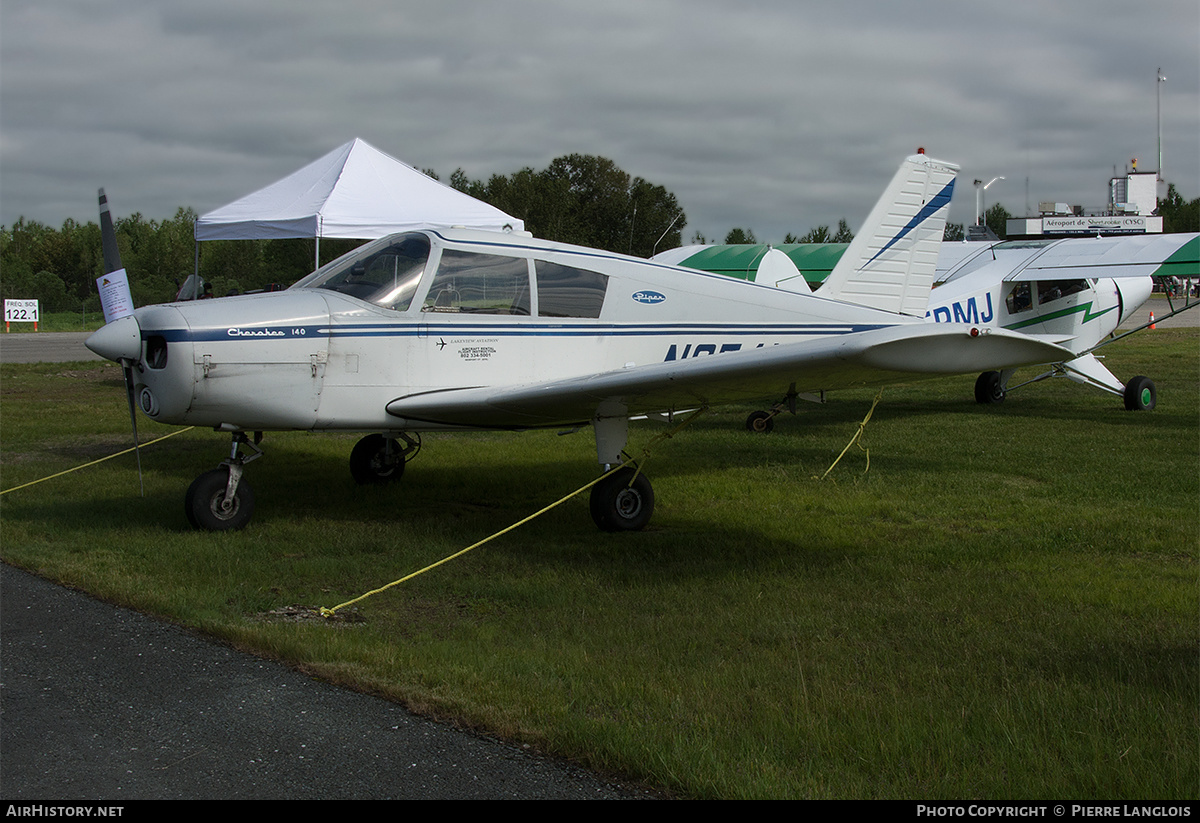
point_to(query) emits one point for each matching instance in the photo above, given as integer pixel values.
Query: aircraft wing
(884, 355)
(1112, 257)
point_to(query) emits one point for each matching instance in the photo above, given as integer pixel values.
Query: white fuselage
(316, 358)
(1077, 313)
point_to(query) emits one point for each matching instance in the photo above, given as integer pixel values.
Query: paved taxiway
(101, 703)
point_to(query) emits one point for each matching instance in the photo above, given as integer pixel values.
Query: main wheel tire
(760, 422)
(619, 506)
(989, 388)
(1140, 394)
(205, 500)
(370, 463)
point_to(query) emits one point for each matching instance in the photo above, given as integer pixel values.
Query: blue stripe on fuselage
(255, 335)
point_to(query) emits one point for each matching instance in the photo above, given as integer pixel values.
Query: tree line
(581, 199)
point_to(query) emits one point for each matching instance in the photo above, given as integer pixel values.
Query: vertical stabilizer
(891, 262)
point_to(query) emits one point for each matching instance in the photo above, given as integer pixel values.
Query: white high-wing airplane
(1073, 292)
(454, 330)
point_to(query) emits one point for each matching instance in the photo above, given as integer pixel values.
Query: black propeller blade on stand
(112, 263)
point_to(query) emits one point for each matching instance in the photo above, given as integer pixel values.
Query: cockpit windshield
(385, 272)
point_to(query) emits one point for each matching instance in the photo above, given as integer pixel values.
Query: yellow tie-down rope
(857, 436)
(637, 463)
(94, 462)
(329, 612)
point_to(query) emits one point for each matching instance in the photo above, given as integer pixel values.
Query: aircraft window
(385, 272)
(1019, 299)
(1055, 289)
(480, 284)
(564, 291)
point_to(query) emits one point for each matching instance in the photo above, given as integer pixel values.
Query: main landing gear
(1139, 393)
(990, 388)
(379, 458)
(622, 500)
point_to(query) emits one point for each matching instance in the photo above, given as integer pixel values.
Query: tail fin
(891, 262)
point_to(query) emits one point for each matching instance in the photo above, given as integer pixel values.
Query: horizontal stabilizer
(891, 262)
(777, 269)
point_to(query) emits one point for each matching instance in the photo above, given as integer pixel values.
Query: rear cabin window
(564, 291)
(1050, 290)
(467, 282)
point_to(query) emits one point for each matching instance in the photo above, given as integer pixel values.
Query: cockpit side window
(1019, 299)
(473, 283)
(565, 291)
(386, 272)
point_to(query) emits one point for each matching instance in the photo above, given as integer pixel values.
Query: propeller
(112, 263)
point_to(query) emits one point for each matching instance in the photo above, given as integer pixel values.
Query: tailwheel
(377, 459)
(622, 502)
(219, 500)
(989, 388)
(760, 422)
(1140, 394)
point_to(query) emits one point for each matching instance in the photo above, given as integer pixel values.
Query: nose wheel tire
(619, 506)
(210, 507)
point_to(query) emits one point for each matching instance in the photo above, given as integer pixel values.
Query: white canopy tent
(355, 191)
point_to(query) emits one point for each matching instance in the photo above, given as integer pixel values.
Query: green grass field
(1005, 605)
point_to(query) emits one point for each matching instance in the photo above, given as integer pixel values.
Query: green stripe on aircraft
(1086, 308)
(1183, 263)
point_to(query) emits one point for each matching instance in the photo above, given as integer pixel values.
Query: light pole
(1162, 78)
(980, 188)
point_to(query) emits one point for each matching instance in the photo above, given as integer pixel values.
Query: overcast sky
(774, 116)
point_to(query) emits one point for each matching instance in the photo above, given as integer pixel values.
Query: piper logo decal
(650, 297)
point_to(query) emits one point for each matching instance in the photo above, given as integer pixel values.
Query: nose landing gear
(220, 500)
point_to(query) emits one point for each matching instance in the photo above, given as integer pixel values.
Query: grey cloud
(772, 115)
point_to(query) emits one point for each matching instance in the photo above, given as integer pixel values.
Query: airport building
(1132, 203)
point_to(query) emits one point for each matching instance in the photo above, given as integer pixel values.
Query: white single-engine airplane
(457, 330)
(1073, 292)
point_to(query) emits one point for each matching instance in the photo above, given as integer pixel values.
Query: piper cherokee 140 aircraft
(1073, 292)
(459, 330)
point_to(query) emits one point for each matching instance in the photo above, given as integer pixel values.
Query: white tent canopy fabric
(355, 191)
